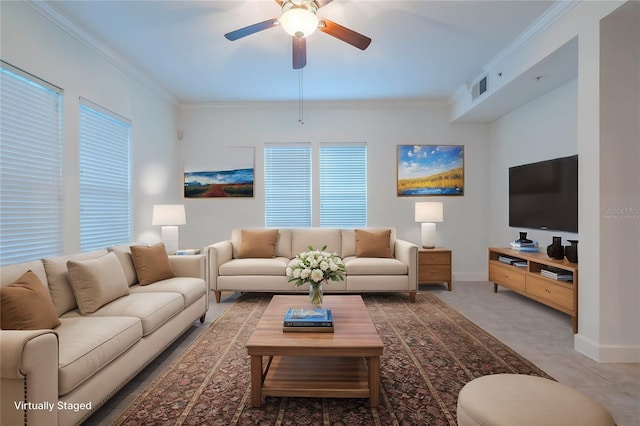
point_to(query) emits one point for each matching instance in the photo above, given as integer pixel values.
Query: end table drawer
(433, 273)
(507, 276)
(436, 258)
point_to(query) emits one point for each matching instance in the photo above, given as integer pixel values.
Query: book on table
(305, 318)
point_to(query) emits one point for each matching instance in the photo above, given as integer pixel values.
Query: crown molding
(382, 104)
(102, 50)
(539, 26)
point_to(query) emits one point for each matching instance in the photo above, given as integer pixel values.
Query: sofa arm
(191, 265)
(29, 374)
(407, 253)
(217, 254)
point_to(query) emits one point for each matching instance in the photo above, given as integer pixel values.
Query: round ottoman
(518, 400)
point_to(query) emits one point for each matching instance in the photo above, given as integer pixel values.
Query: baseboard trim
(606, 353)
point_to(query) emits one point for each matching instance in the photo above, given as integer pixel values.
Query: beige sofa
(228, 272)
(60, 376)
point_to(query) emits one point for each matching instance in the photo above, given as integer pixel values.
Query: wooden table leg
(374, 380)
(256, 380)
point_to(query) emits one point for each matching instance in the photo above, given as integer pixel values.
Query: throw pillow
(152, 263)
(258, 243)
(96, 282)
(373, 244)
(26, 305)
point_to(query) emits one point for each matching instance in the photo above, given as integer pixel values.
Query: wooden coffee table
(342, 364)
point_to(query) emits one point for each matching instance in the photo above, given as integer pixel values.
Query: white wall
(543, 129)
(208, 129)
(33, 43)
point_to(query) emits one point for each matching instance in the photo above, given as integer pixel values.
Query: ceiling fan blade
(322, 3)
(252, 29)
(299, 53)
(345, 34)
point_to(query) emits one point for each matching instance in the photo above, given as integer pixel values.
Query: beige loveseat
(229, 271)
(59, 376)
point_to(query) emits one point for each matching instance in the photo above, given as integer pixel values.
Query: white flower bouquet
(315, 266)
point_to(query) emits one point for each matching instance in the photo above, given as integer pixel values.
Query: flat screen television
(544, 195)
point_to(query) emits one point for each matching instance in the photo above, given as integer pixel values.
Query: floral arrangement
(314, 266)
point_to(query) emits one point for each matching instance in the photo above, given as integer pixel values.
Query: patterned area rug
(431, 351)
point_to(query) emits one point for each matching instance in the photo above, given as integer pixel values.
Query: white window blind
(30, 167)
(343, 185)
(105, 201)
(287, 185)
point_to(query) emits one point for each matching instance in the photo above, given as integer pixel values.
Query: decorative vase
(572, 251)
(523, 238)
(556, 250)
(315, 293)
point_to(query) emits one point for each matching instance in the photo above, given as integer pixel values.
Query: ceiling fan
(299, 19)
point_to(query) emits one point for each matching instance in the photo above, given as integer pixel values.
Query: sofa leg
(412, 296)
(202, 318)
(218, 294)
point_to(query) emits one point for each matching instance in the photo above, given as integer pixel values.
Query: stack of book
(556, 273)
(520, 246)
(307, 320)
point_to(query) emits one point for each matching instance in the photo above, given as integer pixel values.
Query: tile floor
(542, 335)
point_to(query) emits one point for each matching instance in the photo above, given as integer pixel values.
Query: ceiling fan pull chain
(300, 98)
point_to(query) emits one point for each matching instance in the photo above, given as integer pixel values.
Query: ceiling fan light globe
(299, 22)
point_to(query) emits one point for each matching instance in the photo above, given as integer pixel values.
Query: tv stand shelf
(528, 280)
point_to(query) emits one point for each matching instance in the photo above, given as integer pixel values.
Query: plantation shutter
(343, 185)
(287, 185)
(30, 167)
(105, 201)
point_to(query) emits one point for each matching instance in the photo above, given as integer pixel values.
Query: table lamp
(428, 213)
(169, 216)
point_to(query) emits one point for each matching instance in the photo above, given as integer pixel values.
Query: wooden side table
(434, 266)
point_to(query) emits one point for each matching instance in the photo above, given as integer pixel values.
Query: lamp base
(170, 239)
(428, 235)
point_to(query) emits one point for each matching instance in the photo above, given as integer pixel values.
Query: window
(341, 181)
(287, 186)
(105, 203)
(343, 185)
(30, 167)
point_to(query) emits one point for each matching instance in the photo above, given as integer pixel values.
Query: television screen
(544, 195)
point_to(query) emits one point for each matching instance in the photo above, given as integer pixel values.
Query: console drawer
(507, 276)
(550, 291)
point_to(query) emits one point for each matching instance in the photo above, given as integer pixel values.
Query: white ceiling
(421, 50)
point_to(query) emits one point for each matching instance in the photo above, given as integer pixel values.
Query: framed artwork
(429, 170)
(231, 175)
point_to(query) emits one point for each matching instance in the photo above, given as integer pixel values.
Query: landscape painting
(232, 176)
(430, 170)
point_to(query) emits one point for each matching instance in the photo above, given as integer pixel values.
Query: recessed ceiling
(421, 50)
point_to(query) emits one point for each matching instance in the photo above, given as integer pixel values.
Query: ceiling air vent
(479, 88)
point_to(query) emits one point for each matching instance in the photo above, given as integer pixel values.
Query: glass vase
(315, 293)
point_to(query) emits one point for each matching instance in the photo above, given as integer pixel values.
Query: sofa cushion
(275, 266)
(374, 266)
(57, 276)
(126, 260)
(283, 243)
(373, 244)
(10, 273)
(258, 243)
(87, 344)
(152, 263)
(190, 288)
(96, 282)
(152, 308)
(26, 305)
(349, 240)
(302, 238)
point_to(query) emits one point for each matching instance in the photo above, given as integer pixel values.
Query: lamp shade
(429, 211)
(168, 214)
